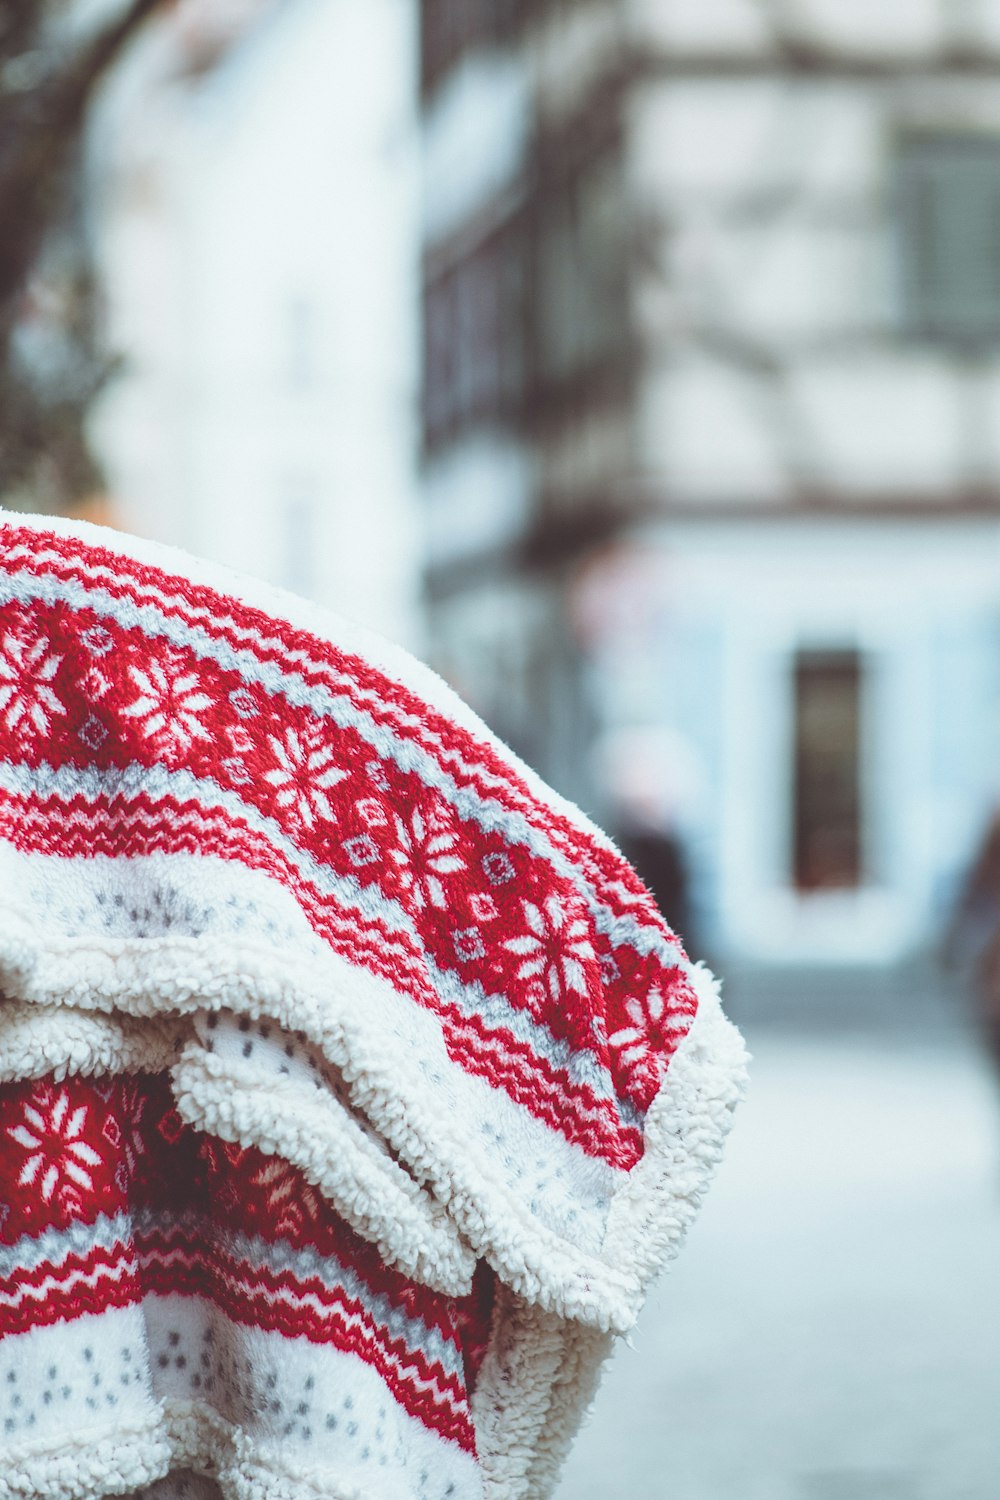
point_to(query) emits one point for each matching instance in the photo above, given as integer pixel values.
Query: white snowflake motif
(169, 705)
(236, 770)
(554, 950)
(292, 1204)
(244, 703)
(28, 666)
(468, 944)
(242, 742)
(653, 1032)
(58, 1160)
(424, 853)
(93, 733)
(306, 771)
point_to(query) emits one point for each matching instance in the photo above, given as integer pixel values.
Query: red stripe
(242, 1277)
(568, 1020)
(163, 1264)
(496, 1055)
(116, 1275)
(392, 702)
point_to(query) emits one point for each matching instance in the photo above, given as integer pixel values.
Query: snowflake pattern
(486, 906)
(468, 943)
(170, 705)
(426, 849)
(28, 667)
(654, 1030)
(305, 771)
(244, 702)
(240, 739)
(93, 733)
(554, 951)
(59, 1164)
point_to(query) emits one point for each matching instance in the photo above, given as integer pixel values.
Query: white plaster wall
(716, 25)
(919, 600)
(899, 27)
(707, 434)
(807, 288)
(285, 179)
(474, 134)
(889, 422)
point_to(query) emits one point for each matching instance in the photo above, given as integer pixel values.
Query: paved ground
(832, 1328)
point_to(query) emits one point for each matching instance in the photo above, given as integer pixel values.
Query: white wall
(897, 27)
(703, 644)
(806, 289)
(260, 244)
(474, 134)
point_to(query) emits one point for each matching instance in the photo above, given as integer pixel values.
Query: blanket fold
(331, 1038)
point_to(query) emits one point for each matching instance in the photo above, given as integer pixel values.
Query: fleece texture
(352, 1088)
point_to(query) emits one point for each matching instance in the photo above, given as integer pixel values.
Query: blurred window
(948, 196)
(582, 291)
(827, 825)
(474, 321)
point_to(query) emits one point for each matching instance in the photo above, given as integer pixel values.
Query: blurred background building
(664, 417)
(638, 361)
(252, 204)
(711, 430)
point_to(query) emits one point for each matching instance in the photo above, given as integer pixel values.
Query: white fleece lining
(348, 1013)
(120, 1458)
(536, 1383)
(541, 1372)
(41, 1040)
(685, 1131)
(542, 1367)
(375, 1195)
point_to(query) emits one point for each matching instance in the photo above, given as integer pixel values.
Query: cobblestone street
(831, 1330)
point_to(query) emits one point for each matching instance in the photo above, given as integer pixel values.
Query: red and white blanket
(352, 1089)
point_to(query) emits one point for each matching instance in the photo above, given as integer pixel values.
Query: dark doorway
(827, 825)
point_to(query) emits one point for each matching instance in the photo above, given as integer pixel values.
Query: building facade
(711, 432)
(253, 193)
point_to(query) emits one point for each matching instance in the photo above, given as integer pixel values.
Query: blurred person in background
(647, 776)
(972, 938)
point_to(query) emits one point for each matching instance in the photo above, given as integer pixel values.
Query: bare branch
(41, 133)
(46, 85)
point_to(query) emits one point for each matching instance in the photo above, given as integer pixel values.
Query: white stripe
(54, 1246)
(25, 1294)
